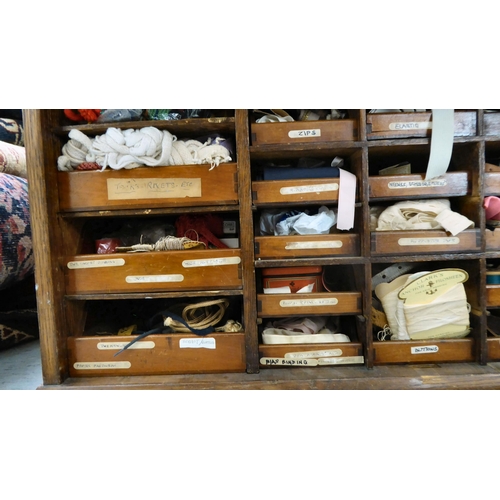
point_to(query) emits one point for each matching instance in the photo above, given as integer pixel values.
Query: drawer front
(300, 304)
(492, 183)
(425, 351)
(415, 186)
(157, 355)
(424, 242)
(148, 187)
(303, 131)
(492, 240)
(493, 347)
(304, 355)
(284, 247)
(492, 123)
(492, 295)
(295, 191)
(405, 125)
(154, 271)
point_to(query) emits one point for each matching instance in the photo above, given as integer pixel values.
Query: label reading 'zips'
(300, 134)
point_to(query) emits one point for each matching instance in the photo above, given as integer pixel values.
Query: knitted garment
(132, 148)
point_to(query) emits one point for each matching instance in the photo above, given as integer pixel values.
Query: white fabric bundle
(422, 214)
(447, 316)
(131, 148)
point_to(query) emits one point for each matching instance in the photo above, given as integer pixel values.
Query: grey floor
(20, 367)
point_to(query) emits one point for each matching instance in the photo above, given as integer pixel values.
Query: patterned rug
(12, 131)
(18, 315)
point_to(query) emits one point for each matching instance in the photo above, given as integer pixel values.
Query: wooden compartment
(148, 187)
(295, 191)
(300, 304)
(154, 271)
(415, 186)
(157, 354)
(314, 245)
(303, 132)
(493, 349)
(492, 240)
(492, 295)
(301, 355)
(492, 183)
(423, 351)
(407, 125)
(424, 242)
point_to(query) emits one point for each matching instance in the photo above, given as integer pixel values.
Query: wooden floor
(443, 376)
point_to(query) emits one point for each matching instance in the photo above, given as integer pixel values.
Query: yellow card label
(428, 287)
(153, 188)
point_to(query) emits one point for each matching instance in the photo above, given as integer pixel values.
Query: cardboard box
(294, 277)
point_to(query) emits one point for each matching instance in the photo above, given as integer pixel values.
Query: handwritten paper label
(309, 302)
(102, 365)
(300, 134)
(428, 287)
(223, 261)
(104, 346)
(137, 189)
(425, 349)
(347, 360)
(201, 343)
(288, 362)
(314, 354)
(155, 278)
(88, 264)
(314, 188)
(452, 240)
(305, 245)
(416, 184)
(410, 125)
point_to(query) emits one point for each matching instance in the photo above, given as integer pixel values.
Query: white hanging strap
(443, 129)
(347, 200)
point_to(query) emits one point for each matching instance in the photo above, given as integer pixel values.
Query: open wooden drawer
(174, 270)
(148, 187)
